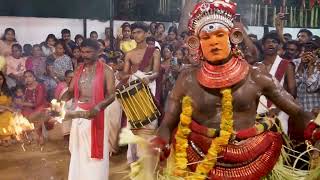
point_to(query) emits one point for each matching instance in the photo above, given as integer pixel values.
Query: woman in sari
(35, 102)
(6, 116)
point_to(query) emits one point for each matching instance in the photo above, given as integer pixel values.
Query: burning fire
(58, 110)
(21, 125)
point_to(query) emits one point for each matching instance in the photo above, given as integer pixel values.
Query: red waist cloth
(98, 95)
(252, 158)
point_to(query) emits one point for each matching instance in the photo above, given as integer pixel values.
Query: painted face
(214, 42)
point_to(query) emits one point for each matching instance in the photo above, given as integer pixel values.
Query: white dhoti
(66, 125)
(82, 166)
(133, 150)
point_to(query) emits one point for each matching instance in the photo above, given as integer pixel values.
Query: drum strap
(146, 58)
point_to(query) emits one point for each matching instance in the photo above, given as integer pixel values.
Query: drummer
(143, 63)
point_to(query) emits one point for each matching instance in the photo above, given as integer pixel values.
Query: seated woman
(6, 116)
(35, 101)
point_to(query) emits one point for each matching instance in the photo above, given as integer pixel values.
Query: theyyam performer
(211, 122)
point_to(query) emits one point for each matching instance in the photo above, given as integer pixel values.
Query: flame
(60, 108)
(20, 125)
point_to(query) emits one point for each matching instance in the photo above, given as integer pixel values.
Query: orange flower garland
(183, 132)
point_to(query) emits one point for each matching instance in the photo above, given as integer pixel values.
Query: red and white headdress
(211, 12)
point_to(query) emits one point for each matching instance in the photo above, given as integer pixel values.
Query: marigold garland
(183, 132)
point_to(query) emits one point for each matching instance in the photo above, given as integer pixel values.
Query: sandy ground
(50, 162)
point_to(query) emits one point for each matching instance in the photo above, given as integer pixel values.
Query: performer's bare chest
(207, 107)
(85, 85)
(136, 59)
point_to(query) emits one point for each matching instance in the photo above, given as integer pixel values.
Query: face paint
(214, 41)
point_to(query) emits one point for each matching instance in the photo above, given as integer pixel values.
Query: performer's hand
(94, 112)
(145, 80)
(159, 146)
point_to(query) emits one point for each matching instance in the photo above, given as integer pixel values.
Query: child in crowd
(18, 97)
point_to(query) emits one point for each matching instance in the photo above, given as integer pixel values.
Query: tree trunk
(184, 18)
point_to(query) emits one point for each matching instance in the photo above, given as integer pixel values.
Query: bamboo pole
(255, 15)
(266, 14)
(291, 16)
(251, 14)
(274, 16)
(312, 18)
(286, 21)
(306, 19)
(259, 15)
(316, 17)
(301, 17)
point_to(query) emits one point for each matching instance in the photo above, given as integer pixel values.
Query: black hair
(151, 39)
(139, 25)
(60, 42)
(271, 35)
(93, 32)
(4, 88)
(160, 24)
(79, 36)
(91, 43)
(6, 32)
(76, 47)
(27, 49)
(36, 46)
(253, 36)
(168, 46)
(17, 87)
(65, 31)
(31, 72)
(18, 46)
(294, 42)
(307, 31)
(68, 72)
(173, 29)
(287, 34)
(125, 24)
(51, 36)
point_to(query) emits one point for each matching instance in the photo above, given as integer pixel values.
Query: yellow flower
(183, 132)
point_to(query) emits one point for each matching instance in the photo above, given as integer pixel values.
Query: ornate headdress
(210, 12)
(209, 15)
